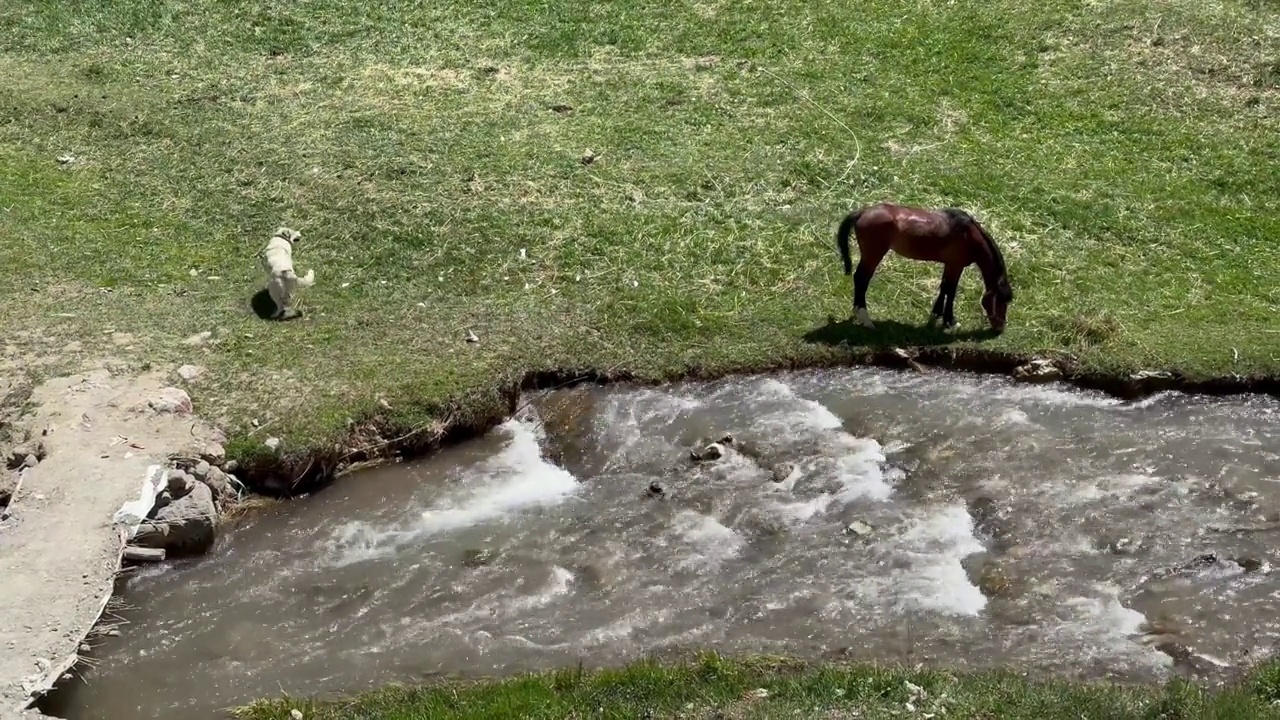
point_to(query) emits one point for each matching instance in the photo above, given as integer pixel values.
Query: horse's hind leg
(867, 264)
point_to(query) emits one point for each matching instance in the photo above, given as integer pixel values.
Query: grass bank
(620, 185)
(716, 687)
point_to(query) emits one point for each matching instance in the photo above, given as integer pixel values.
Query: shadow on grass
(890, 332)
(263, 306)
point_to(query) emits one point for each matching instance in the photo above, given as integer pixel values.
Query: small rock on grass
(191, 373)
(272, 443)
(199, 338)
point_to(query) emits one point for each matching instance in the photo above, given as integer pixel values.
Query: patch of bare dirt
(97, 434)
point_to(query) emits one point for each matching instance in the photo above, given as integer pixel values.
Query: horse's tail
(842, 239)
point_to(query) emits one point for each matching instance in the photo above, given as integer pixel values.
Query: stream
(858, 514)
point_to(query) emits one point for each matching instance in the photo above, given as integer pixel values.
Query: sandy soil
(60, 548)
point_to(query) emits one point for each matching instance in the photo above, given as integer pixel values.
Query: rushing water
(900, 517)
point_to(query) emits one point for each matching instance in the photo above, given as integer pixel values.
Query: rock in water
(1038, 371)
(859, 528)
(189, 522)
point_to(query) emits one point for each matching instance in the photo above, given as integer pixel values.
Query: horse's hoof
(863, 318)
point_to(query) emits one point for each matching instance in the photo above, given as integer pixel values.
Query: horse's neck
(987, 265)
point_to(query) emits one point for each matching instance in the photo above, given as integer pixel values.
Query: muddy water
(992, 524)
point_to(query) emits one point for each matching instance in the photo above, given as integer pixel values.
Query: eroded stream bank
(857, 513)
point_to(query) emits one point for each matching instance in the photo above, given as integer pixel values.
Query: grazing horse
(948, 236)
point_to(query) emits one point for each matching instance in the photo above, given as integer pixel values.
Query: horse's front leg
(949, 288)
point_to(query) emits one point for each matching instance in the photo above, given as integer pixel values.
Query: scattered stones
(994, 582)
(178, 484)
(231, 466)
(1249, 564)
(479, 557)
(587, 158)
(726, 439)
(1148, 381)
(201, 470)
(188, 522)
(191, 373)
(655, 490)
(220, 483)
(272, 443)
(26, 455)
(1038, 371)
(8, 486)
(213, 453)
(170, 401)
(714, 451)
(858, 528)
(782, 472)
(199, 338)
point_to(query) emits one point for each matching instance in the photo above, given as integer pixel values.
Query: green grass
(728, 689)
(1124, 155)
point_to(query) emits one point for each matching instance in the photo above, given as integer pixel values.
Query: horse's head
(996, 304)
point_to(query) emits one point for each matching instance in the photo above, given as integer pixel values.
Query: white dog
(282, 281)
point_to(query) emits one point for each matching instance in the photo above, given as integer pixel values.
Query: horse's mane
(996, 255)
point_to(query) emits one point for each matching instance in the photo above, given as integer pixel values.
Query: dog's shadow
(265, 308)
(890, 333)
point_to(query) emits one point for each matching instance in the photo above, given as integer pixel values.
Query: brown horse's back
(915, 233)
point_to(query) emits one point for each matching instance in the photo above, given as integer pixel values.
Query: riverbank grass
(738, 689)
(619, 185)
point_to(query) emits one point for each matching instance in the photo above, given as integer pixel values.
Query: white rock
(199, 338)
(191, 373)
(171, 401)
(272, 443)
(295, 714)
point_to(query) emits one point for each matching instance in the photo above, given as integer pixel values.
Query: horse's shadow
(890, 333)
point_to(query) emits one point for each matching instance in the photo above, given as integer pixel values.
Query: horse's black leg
(939, 305)
(949, 288)
(861, 280)
(947, 295)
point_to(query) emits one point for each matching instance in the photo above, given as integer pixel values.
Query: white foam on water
(516, 479)
(713, 542)
(802, 510)
(936, 545)
(859, 470)
(1114, 487)
(809, 413)
(1102, 626)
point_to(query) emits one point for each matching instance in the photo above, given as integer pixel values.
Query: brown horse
(948, 236)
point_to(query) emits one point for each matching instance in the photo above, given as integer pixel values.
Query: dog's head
(289, 235)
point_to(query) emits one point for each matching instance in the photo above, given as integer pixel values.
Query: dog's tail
(842, 239)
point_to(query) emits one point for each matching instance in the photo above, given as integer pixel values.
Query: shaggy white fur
(282, 281)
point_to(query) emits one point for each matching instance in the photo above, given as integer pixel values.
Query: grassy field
(726, 689)
(433, 154)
